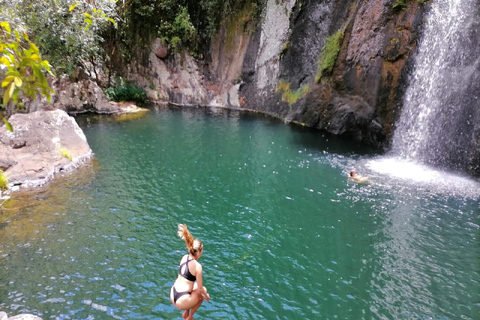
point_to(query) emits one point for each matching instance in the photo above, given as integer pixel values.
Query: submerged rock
(42, 144)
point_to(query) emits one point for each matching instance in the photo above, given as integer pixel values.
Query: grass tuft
(65, 153)
(3, 181)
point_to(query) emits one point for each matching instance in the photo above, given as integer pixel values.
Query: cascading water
(440, 120)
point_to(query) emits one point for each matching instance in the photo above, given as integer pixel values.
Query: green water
(286, 235)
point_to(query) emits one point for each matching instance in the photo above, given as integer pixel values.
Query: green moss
(328, 56)
(291, 96)
(65, 153)
(399, 5)
(3, 181)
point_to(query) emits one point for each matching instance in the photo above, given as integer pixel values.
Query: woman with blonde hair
(188, 292)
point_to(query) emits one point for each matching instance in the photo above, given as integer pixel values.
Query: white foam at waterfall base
(400, 170)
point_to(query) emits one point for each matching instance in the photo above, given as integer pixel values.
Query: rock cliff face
(362, 95)
(271, 65)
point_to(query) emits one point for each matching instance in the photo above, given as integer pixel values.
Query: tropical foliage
(25, 69)
(126, 92)
(67, 32)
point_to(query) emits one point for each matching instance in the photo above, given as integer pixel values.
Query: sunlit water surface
(286, 234)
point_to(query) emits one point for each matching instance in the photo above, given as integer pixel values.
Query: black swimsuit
(187, 275)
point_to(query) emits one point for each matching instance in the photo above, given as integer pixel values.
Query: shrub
(329, 54)
(126, 92)
(3, 181)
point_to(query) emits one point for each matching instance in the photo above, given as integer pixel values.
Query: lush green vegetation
(329, 54)
(73, 33)
(68, 33)
(126, 92)
(96, 35)
(180, 23)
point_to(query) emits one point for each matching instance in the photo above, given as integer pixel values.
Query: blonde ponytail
(194, 246)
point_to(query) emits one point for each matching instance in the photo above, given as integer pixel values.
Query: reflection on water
(29, 212)
(286, 234)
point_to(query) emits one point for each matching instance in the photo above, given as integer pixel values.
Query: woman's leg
(196, 294)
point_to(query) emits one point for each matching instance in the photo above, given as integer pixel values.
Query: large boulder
(159, 48)
(42, 144)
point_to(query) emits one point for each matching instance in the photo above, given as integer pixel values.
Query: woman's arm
(200, 286)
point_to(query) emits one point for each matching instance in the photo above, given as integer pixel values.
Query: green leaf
(7, 81)
(111, 20)
(13, 72)
(26, 36)
(11, 89)
(88, 22)
(17, 35)
(40, 76)
(34, 48)
(87, 15)
(7, 95)
(35, 57)
(5, 25)
(45, 64)
(73, 6)
(15, 96)
(5, 61)
(18, 82)
(8, 124)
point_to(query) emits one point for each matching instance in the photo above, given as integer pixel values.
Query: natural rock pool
(286, 235)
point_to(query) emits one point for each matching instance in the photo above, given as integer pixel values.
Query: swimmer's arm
(200, 286)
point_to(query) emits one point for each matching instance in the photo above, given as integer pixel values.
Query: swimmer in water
(357, 178)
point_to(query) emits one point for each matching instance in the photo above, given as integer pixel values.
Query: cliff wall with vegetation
(342, 66)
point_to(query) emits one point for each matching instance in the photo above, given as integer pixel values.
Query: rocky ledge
(42, 144)
(24, 316)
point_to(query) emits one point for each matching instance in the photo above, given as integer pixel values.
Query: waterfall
(440, 120)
